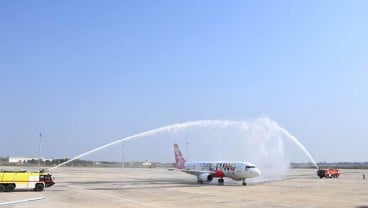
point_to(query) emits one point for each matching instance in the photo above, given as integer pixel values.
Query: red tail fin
(179, 159)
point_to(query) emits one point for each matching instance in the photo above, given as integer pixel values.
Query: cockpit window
(249, 166)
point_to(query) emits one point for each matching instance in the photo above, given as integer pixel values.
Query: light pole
(39, 152)
(122, 163)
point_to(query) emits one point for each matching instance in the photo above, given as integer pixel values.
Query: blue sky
(87, 72)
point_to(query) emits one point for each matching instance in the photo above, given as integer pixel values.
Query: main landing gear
(244, 184)
(221, 181)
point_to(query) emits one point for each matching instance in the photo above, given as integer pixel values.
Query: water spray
(169, 128)
(300, 145)
(183, 126)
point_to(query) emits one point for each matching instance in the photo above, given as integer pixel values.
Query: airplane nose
(257, 172)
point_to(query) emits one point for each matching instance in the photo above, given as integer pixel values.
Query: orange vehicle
(328, 173)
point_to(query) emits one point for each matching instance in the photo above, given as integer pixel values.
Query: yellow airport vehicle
(37, 181)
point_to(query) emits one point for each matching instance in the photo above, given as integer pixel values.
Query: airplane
(207, 170)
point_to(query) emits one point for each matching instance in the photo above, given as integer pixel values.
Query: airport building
(20, 159)
(147, 163)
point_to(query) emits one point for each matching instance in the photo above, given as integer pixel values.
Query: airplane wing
(4, 204)
(197, 172)
(193, 172)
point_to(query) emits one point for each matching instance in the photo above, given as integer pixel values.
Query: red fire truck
(328, 173)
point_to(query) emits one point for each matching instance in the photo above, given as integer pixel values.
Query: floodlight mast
(39, 152)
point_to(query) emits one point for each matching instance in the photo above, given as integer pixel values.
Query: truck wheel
(2, 188)
(39, 187)
(10, 188)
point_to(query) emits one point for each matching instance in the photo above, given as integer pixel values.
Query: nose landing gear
(244, 184)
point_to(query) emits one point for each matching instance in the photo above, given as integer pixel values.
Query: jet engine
(205, 177)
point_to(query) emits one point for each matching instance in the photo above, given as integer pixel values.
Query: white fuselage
(236, 170)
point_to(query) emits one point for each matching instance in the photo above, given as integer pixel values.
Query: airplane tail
(179, 159)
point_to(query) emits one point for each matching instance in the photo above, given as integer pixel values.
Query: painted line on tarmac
(116, 197)
(11, 203)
